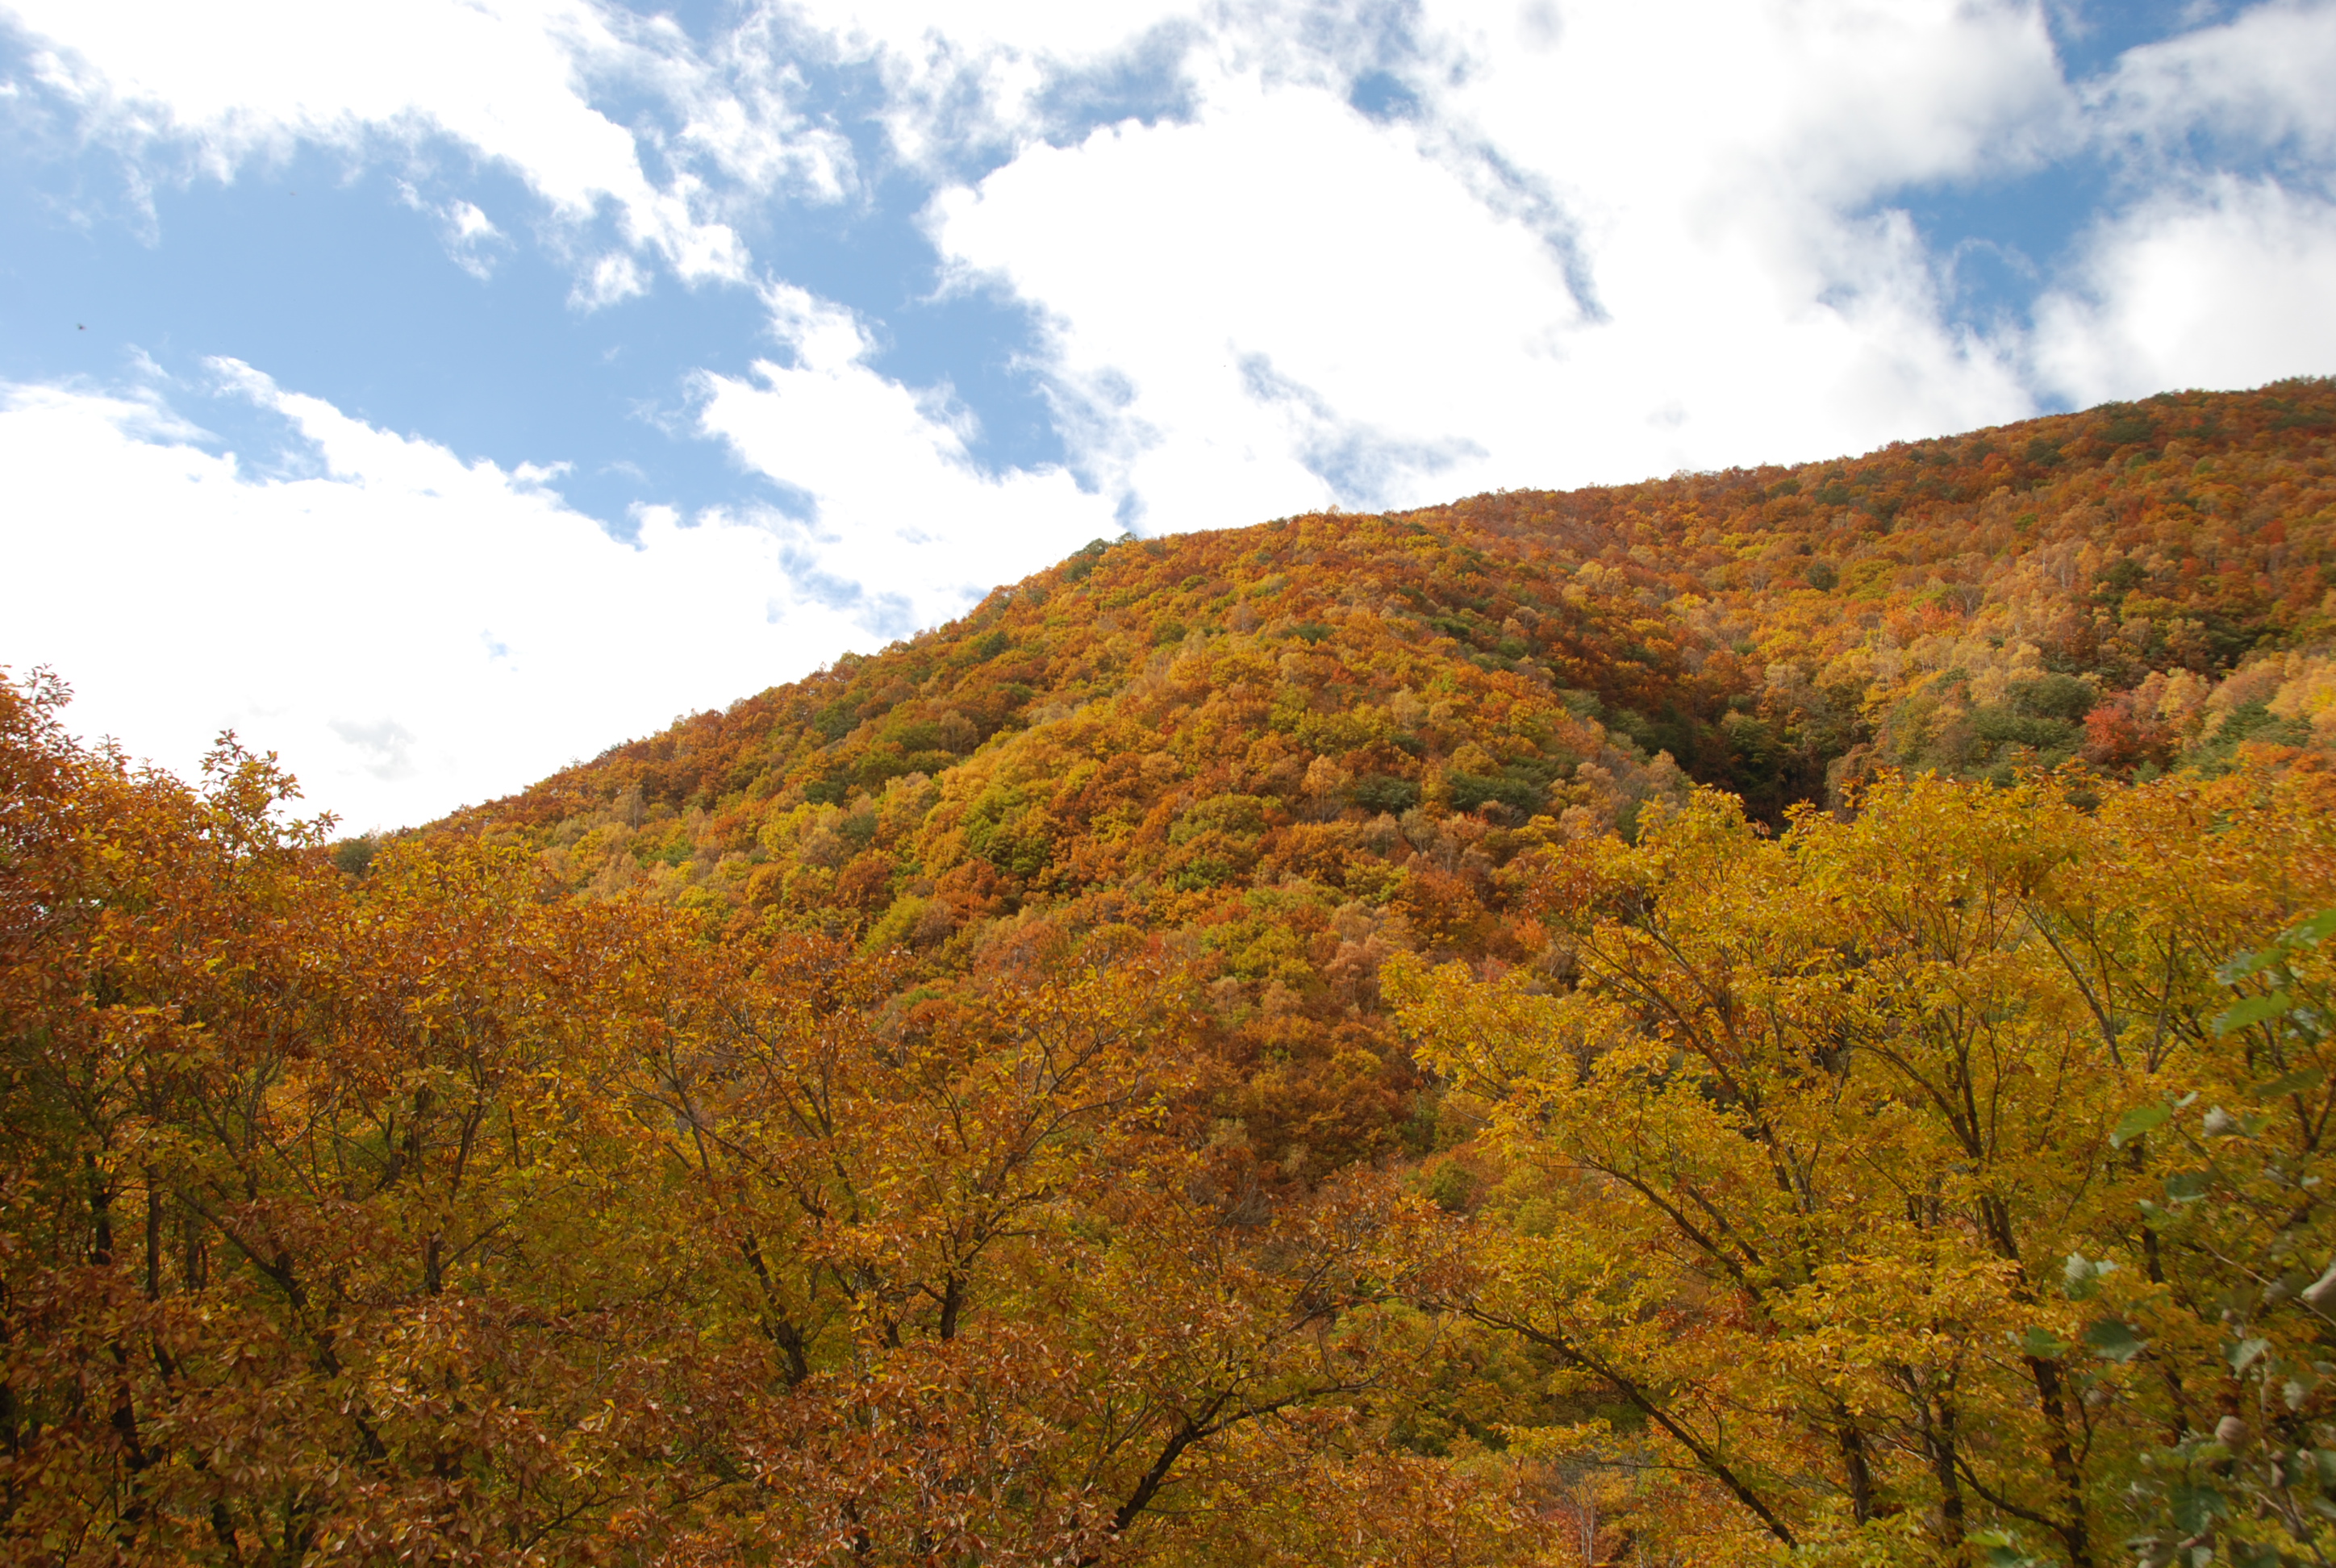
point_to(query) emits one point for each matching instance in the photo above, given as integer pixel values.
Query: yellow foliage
(1914, 1182)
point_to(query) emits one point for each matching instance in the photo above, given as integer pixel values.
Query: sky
(435, 392)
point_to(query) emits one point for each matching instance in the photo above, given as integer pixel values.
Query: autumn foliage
(1303, 747)
(430, 1218)
(1781, 1013)
(1947, 1178)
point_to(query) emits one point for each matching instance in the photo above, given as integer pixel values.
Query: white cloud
(2226, 288)
(508, 79)
(1727, 106)
(2205, 277)
(908, 529)
(612, 278)
(1741, 314)
(1232, 270)
(470, 225)
(1279, 304)
(470, 238)
(410, 632)
(2260, 79)
(973, 75)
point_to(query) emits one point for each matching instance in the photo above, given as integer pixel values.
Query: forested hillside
(1778, 633)
(1305, 746)
(1764, 626)
(1780, 1015)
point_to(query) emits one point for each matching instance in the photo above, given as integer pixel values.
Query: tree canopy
(1768, 1017)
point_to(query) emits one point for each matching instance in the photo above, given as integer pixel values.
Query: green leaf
(2244, 1353)
(2293, 1084)
(2313, 931)
(2196, 1507)
(2044, 1345)
(2239, 966)
(2003, 1549)
(2134, 1122)
(2253, 1010)
(2187, 1186)
(2113, 1339)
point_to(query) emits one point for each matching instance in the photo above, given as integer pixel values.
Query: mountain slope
(1306, 745)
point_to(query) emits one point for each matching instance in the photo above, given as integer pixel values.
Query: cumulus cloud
(905, 526)
(1540, 245)
(408, 630)
(979, 79)
(472, 240)
(511, 82)
(2212, 269)
(2226, 286)
(1279, 225)
(1176, 258)
(2259, 80)
(1726, 106)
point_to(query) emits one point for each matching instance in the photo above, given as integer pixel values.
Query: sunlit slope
(1312, 742)
(2080, 585)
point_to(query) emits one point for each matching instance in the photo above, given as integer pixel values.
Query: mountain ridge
(1855, 531)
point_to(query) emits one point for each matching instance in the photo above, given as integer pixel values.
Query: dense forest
(1774, 1015)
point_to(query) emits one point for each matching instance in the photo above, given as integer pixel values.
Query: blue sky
(432, 392)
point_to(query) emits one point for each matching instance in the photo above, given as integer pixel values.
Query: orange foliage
(424, 1217)
(1304, 746)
